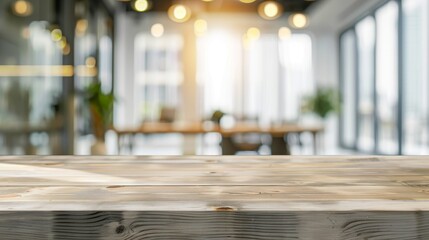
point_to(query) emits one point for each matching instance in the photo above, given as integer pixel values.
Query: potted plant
(101, 108)
(322, 103)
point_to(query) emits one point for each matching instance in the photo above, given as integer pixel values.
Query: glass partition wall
(31, 73)
(44, 67)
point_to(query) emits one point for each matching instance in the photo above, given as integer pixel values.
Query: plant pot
(99, 148)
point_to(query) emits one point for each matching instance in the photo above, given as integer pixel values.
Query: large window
(365, 30)
(296, 74)
(263, 80)
(392, 109)
(219, 71)
(158, 75)
(415, 76)
(387, 78)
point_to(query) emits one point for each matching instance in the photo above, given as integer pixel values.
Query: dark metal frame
(400, 53)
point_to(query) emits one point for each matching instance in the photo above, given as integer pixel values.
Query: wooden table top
(200, 128)
(214, 183)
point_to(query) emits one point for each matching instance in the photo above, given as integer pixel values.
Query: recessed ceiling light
(270, 10)
(179, 13)
(141, 5)
(298, 20)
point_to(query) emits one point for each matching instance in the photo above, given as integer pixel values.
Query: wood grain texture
(232, 197)
(162, 225)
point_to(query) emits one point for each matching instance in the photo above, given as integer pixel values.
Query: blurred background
(207, 77)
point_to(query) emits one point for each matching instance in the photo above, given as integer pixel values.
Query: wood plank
(240, 182)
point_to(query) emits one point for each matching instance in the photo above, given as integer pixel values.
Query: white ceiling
(335, 15)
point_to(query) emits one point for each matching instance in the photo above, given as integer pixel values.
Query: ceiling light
(179, 13)
(22, 8)
(284, 33)
(141, 5)
(247, 1)
(157, 30)
(298, 20)
(270, 10)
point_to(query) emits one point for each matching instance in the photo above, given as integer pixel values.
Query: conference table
(278, 133)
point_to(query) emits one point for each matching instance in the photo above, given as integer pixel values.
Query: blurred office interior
(170, 77)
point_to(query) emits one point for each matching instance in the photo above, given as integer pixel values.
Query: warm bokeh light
(207, 0)
(253, 33)
(56, 35)
(67, 49)
(62, 43)
(22, 8)
(298, 20)
(270, 10)
(90, 62)
(179, 13)
(247, 1)
(200, 27)
(285, 33)
(141, 5)
(81, 26)
(157, 30)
